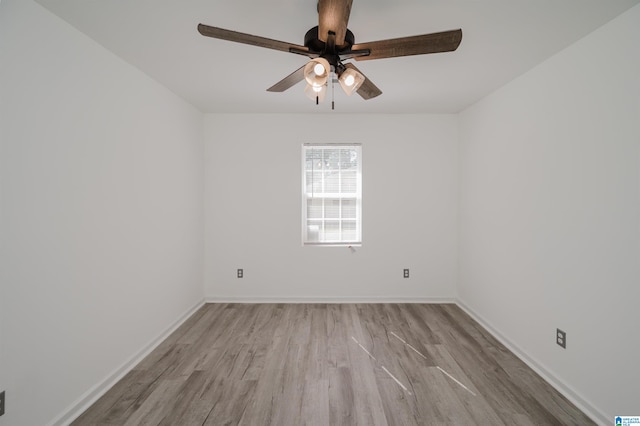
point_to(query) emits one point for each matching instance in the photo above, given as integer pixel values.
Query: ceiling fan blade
(333, 15)
(289, 81)
(445, 41)
(367, 90)
(253, 40)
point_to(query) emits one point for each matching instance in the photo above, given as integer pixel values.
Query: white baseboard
(97, 391)
(571, 394)
(336, 300)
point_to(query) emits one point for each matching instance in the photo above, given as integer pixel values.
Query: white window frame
(320, 237)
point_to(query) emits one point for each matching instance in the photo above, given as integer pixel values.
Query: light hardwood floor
(335, 364)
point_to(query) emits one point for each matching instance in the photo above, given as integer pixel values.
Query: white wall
(253, 209)
(101, 178)
(550, 215)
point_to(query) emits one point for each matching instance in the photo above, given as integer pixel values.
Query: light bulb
(349, 80)
(318, 69)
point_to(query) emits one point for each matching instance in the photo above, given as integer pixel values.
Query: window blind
(332, 194)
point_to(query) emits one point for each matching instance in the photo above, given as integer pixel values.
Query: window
(331, 194)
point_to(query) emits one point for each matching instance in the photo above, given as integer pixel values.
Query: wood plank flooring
(332, 364)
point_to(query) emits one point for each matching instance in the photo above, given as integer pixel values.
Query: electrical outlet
(406, 273)
(1, 403)
(561, 338)
(240, 273)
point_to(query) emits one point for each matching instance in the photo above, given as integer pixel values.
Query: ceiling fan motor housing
(314, 44)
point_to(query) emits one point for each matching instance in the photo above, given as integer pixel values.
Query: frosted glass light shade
(350, 81)
(314, 92)
(316, 72)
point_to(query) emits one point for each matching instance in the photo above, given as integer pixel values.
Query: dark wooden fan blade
(333, 15)
(253, 40)
(368, 90)
(445, 41)
(289, 81)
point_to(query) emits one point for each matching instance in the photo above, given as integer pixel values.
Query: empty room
(326, 212)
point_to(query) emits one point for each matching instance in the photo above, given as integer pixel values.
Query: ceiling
(502, 39)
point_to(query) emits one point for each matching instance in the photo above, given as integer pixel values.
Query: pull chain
(332, 92)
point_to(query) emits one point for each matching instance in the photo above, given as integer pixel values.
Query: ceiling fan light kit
(331, 43)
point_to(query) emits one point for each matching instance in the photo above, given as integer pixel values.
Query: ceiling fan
(331, 43)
